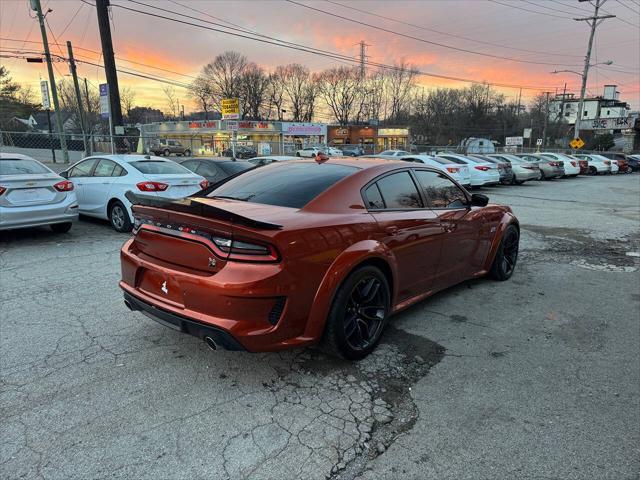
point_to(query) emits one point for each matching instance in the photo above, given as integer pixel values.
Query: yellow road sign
(576, 143)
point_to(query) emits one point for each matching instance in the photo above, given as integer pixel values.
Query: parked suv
(242, 151)
(166, 147)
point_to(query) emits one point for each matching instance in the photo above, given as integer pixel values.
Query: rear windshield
(235, 167)
(17, 166)
(284, 184)
(154, 167)
(441, 160)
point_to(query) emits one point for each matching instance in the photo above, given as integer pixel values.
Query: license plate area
(30, 195)
(161, 286)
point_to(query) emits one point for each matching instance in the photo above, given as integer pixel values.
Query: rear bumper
(182, 324)
(39, 215)
(525, 175)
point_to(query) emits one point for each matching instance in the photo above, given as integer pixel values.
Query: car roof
(421, 156)
(15, 156)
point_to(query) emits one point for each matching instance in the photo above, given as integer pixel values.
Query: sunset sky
(502, 28)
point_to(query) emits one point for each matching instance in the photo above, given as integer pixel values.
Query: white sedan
(481, 173)
(460, 173)
(103, 180)
(308, 152)
(597, 163)
(392, 153)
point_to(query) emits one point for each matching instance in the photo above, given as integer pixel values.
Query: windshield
(283, 184)
(155, 167)
(18, 166)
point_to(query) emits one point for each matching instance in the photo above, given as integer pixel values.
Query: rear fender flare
(341, 267)
(507, 219)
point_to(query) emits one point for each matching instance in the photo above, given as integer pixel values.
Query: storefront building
(371, 138)
(212, 137)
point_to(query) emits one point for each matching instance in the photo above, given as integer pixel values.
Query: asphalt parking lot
(536, 377)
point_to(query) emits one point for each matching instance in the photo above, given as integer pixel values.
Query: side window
(119, 171)
(399, 192)
(454, 159)
(439, 191)
(104, 168)
(83, 169)
(373, 198)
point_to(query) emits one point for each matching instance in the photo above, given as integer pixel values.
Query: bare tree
(341, 89)
(224, 75)
(299, 89)
(173, 104)
(375, 95)
(275, 96)
(400, 84)
(202, 91)
(127, 99)
(254, 83)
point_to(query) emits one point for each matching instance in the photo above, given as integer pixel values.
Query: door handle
(391, 230)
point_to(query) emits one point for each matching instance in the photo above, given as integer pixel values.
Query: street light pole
(593, 22)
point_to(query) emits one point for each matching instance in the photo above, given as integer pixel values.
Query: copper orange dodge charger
(311, 251)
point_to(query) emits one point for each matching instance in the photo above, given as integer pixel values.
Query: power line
(319, 52)
(72, 19)
(423, 40)
(626, 6)
(384, 17)
(527, 10)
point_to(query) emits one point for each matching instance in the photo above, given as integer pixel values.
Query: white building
(594, 108)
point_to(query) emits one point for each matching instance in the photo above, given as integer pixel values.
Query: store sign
(303, 129)
(514, 141)
(232, 126)
(526, 133)
(246, 125)
(44, 89)
(104, 100)
(617, 123)
(230, 108)
(212, 124)
(393, 132)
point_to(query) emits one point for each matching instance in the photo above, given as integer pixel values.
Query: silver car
(32, 195)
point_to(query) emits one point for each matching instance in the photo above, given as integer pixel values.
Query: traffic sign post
(105, 110)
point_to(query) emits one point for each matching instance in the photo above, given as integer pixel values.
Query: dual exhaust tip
(208, 340)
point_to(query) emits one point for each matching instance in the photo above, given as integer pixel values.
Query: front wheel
(166, 152)
(358, 314)
(507, 255)
(187, 153)
(119, 217)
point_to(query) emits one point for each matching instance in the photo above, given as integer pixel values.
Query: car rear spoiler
(192, 206)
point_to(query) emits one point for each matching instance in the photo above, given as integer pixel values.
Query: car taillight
(607, 162)
(64, 186)
(152, 186)
(573, 163)
(554, 164)
(481, 168)
(453, 169)
(204, 184)
(245, 251)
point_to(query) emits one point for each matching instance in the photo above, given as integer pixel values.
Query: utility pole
(593, 22)
(76, 85)
(89, 115)
(519, 100)
(35, 5)
(102, 7)
(546, 120)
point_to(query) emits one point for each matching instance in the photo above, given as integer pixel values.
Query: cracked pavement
(537, 377)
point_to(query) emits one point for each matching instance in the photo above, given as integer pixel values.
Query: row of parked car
(31, 194)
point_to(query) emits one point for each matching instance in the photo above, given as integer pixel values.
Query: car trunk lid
(30, 190)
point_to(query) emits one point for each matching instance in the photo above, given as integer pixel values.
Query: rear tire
(507, 255)
(119, 217)
(61, 227)
(358, 314)
(593, 170)
(519, 182)
(187, 153)
(543, 176)
(166, 152)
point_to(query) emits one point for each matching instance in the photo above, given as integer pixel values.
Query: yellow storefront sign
(230, 108)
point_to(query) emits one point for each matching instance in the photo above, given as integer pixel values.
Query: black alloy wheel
(358, 314)
(507, 254)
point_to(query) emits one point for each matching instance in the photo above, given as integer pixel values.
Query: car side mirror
(64, 174)
(479, 200)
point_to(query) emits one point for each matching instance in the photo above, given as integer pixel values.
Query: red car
(301, 252)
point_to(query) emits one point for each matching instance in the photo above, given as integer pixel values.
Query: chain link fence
(46, 147)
